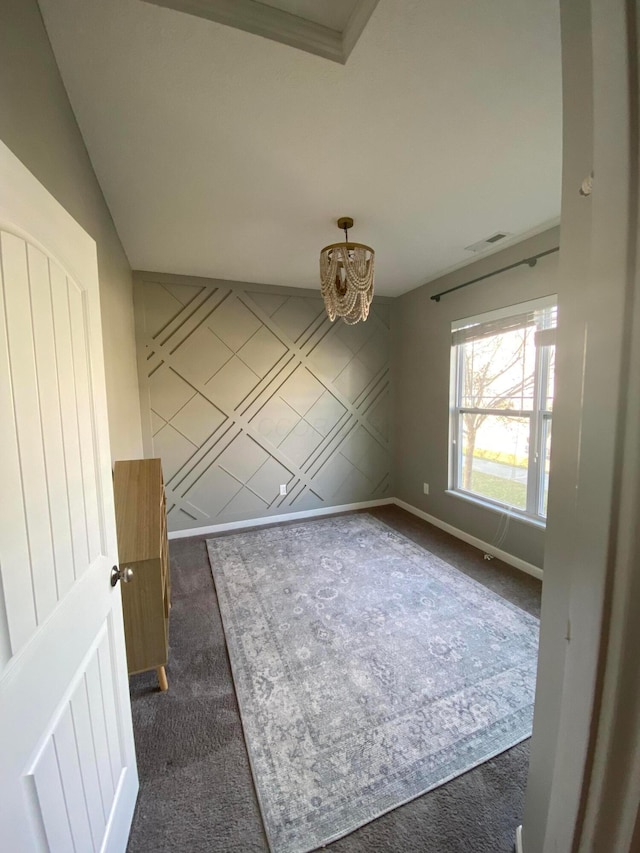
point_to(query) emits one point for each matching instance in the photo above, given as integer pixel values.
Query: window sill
(502, 510)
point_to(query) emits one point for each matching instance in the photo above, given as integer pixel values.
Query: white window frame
(540, 418)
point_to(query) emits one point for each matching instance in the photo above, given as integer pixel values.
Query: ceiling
(328, 28)
(330, 13)
(225, 154)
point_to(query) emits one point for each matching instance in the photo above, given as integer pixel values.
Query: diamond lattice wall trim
(245, 387)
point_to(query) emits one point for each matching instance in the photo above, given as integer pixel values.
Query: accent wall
(246, 388)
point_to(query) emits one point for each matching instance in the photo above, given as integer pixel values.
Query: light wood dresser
(141, 519)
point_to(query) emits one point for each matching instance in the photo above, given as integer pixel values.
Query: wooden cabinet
(141, 519)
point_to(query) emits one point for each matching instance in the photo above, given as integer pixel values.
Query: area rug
(367, 670)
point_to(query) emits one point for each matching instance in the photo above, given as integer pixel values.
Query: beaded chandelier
(346, 277)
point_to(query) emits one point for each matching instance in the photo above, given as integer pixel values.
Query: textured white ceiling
(225, 154)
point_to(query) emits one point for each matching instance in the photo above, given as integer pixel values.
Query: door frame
(583, 790)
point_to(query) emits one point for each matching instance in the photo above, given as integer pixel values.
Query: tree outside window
(502, 391)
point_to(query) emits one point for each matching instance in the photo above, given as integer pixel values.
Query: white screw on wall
(425, 488)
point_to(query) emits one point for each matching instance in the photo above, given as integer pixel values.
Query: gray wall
(245, 387)
(38, 125)
(421, 359)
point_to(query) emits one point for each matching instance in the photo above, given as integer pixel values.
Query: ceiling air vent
(487, 243)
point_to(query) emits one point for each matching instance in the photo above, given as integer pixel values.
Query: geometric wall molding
(245, 387)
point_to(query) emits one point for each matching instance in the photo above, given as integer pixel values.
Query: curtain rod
(532, 261)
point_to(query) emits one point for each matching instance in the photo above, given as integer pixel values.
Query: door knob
(125, 575)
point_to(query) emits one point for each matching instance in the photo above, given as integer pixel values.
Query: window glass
(550, 379)
(499, 371)
(495, 454)
(546, 466)
(503, 377)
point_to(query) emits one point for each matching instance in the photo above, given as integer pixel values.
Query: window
(502, 369)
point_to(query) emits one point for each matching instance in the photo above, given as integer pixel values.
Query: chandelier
(346, 277)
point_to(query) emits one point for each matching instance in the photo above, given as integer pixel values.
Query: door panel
(49, 394)
(68, 772)
(68, 417)
(57, 480)
(29, 595)
(86, 427)
(81, 760)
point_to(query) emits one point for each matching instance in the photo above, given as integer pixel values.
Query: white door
(68, 778)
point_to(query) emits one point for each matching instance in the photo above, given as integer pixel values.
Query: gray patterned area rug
(368, 671)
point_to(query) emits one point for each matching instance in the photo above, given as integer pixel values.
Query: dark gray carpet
(196, 790)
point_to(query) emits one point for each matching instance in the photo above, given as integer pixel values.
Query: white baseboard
(276, 519)
(519, 847)
(485, 547)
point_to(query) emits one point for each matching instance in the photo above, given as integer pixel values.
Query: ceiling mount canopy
(346, 277)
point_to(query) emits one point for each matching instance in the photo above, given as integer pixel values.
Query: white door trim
(579, 798)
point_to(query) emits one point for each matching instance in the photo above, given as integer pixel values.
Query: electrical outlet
(283, 489)
(425, 488)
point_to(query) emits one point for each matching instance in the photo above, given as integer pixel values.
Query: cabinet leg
(162, 678)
